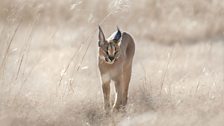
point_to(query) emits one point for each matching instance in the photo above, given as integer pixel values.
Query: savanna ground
(48, 67)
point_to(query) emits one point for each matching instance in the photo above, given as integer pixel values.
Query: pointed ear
(101, 37)
(117, 36)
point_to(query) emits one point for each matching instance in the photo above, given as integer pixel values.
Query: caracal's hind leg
(106, 94)
(121, 87)
(127, 77)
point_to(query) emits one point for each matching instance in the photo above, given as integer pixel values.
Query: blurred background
(48, 66)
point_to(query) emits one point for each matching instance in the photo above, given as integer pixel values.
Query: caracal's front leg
(106, 94)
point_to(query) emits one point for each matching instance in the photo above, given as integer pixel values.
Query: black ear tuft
(117, 35)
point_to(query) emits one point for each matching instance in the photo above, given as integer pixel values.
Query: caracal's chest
(111, 71)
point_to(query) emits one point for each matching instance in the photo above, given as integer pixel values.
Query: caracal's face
(109, 52)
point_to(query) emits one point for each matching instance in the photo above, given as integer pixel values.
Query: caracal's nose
(111, 58)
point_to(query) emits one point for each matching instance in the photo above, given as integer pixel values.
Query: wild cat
(115, 57)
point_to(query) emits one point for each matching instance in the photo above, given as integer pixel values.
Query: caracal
(115, 58)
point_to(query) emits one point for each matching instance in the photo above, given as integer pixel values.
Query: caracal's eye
(106, 59)
(107, 52)
(116, 52)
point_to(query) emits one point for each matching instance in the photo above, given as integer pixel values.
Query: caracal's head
(109, 49)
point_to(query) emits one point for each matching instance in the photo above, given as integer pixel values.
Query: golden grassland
(48, 67)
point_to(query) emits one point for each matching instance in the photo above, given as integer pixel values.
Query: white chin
(111, 62)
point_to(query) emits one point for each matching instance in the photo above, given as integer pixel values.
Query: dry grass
(48, 73)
